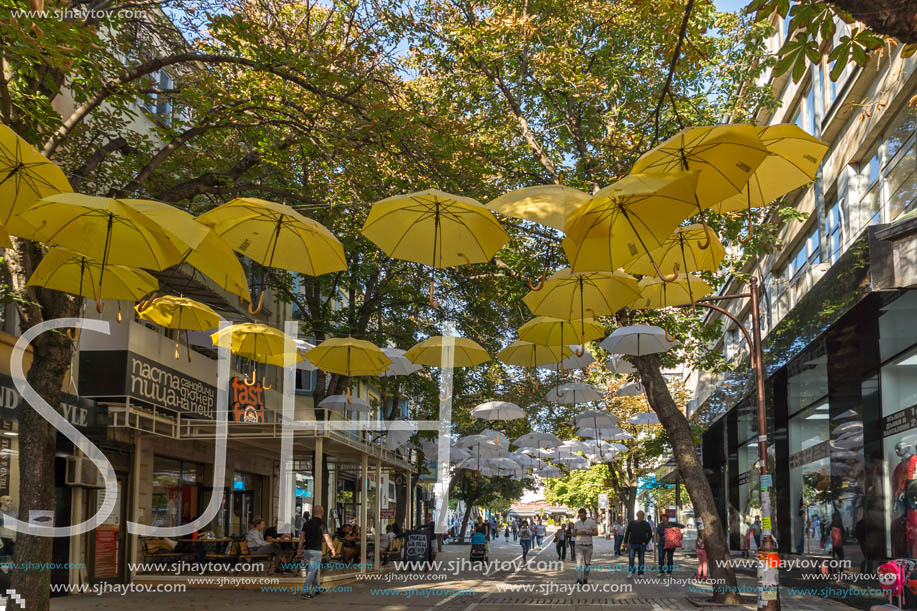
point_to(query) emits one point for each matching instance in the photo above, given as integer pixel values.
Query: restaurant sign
(246, 401)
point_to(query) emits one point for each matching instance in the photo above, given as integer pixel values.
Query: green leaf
(840, 63)
(859, 55)
(909, 50)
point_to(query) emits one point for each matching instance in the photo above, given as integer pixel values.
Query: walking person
(525, 539)
(618, 532)
(636, 536)
(584, 529)
(515, 528)
(311, 536)
(701, 574)
(539, 534)
(836, 533)
(669, 536)
(506, 533)
(571, 540)
(560, 542)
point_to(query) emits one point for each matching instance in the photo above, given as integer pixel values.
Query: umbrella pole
(433, 303)
(751, 230)
(99, 305)
(74, 334)
(270, 261)
(662, 276)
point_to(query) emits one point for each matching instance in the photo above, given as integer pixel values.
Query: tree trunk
(692, 472)
(897, 18)
(465, 519)
(630, 502)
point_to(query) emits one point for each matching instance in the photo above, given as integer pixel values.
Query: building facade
(840, 340)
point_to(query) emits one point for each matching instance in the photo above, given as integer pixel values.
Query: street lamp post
(768, 576)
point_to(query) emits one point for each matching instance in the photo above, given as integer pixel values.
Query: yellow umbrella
(545, 204)
(259, 343)
(793, 161)
(102, 228)
(179, 313)
(5, 241)
(200, 246)
(683, 290)
(548, 331)
(681, 252)
(723, 155)
(26, 175)
(349, 357)
(276, 235)
(434, 228)
(576, 296)
(466, 352)
(70, 272)
(527, 354)
(628, 218)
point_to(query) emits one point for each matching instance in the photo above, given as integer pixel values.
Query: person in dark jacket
(666, 556)
(637, 535)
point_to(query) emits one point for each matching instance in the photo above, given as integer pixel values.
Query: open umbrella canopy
(631, 389)
(340, 403)
(496, 437)
(63, 270)
(656, 293)
(545, 204)
(616, 364)
(602, 457)
(575, 296)
(627, 219)
(498, 410)
(527, 461)
(397, 433)
(724, 156)
(596, 419)
(180, 313)
(681, 252)
(575, 446)
(549, 331)
(401, 365)
(303, 347)
(606, 432)
(548, 472)
(200, 246)
(793, 160)
(637, 340)
(103, 228)
(259, 343)
(276, 235)
(644, 418)
(26, 175)
(348, 356)
(527, 354)
(537, 440)
(573, 393)
(469, 442)
(434, 228)
(465, 352)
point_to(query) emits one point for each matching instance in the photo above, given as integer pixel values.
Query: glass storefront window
(810, 476)
(176, 491)
(9, 483)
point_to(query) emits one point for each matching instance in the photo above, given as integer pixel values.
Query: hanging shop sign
(120, 373)
(810, 454)
(903, 420)
(246, 401)
(81, 413)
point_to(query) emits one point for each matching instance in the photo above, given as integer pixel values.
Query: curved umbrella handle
(668, 337)
(661, 275)
(145, 303)
(445, 397)
(349, 396)
(751, 232)
(264, 384)
(73, 334)
(706, 243)
(177, 354)
(254, 378)
(581, 351)
(260, 305)
(540, 285)
(100, 307)
(433, 303)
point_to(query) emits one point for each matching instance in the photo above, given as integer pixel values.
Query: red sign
(387, 514)
(106, 551)
(246, 400)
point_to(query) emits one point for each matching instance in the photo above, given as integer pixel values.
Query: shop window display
(9, 484)
(899, 403)
(810, 477)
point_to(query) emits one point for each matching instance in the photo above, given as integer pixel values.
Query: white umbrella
(540, 452)
(603, 457)
(398, 432)
(596, 419)
(571, 362)
(496, 437)
(631, 389)
(597, 445)
(620, 436)
(573, 462)
(537, 440)
(615, 364)
(498, 410)
(602, 432)
(470, 441)
(339, 403)
(472, 464)
(303, 346)
(528, 462)
(503, 462)
(572, 393)
(400, 366)
(644, 418)
(575, 446)
(548, 472)
(637, 340)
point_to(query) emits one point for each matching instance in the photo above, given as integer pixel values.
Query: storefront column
(133, 485)
(77, 567)
(364, 478)
(317, 483)
(377, 510)
(409, 514)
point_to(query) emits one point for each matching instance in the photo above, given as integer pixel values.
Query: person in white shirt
(584, 529)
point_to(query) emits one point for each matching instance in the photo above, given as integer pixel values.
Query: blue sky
(730, 5)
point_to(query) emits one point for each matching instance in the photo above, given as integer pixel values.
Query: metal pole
(768, 578)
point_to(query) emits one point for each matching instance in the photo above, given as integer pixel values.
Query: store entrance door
(241, 509)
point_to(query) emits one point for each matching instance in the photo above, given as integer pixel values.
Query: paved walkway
(456, 586)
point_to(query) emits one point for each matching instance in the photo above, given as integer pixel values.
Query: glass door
(241, 512)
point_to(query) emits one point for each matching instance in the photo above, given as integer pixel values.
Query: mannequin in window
(905, 483)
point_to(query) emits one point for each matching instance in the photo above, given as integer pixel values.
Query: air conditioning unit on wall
(82, 472)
